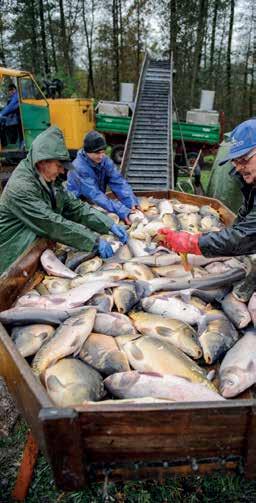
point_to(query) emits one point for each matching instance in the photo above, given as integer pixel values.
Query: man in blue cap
(94, 172)
(240, 238)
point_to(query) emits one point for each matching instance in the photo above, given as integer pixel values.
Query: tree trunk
(115, 49)
(138, 39)
(213, 35)
(228, 65)
(34, 55)
(252, 89)
(2, 51)
(121, 48)
(54, 59)
(64, 39)
(88, 36)
(202, 15)
(173, 29)
(43, 38)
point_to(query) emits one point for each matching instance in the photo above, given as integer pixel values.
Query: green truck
(195, 136)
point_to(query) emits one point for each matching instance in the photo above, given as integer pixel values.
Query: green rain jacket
(31, 208)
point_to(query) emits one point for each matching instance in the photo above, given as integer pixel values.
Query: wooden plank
(137, 471)
(27, 391)
(15, 278)
(26, 469)
(64, 447)
(145, 434)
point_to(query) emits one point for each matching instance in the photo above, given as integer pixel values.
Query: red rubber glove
(180, 242)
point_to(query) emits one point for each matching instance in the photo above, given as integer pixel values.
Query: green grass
(215, 488)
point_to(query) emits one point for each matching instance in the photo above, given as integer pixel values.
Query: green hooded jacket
(30, 209)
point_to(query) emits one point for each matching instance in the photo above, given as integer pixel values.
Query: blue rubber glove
(105, 249)
(120, 233)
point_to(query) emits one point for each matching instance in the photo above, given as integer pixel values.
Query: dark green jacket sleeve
(239, 239)
(38, 216)
(83, 213)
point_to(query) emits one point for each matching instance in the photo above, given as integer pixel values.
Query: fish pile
(138, 326)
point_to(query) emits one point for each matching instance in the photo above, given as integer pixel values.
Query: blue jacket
(90, 180)
(11, 110)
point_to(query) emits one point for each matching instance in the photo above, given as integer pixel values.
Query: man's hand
(119, 232)
(180, 242)
(105, 250)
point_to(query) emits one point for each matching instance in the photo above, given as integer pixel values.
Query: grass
(215, 488)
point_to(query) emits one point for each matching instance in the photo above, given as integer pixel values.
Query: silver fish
(152, 354)
(73, 298)
(136, 384)
(173, 308)
(238, 368)
(102, 353)
(91, 265)
(216, 335)
(236, 311)
(67, 340)
(71, 382)
(52, 265)
(125, 297)
(29, 338)
(113, 324)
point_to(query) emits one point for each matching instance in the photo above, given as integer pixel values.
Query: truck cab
(33, 115)
(74, 116)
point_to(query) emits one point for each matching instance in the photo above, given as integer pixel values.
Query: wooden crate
(85, 444)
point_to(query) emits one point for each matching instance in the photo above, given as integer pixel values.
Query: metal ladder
(147, 160)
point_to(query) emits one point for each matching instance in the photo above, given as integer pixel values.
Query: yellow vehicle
(74, 116)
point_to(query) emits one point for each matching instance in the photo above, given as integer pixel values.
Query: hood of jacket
(49, 144)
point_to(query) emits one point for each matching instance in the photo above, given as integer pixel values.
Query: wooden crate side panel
(28, 393)
(15, 278)
(164, 434)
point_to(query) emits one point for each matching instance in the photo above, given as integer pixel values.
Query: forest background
(94, 45)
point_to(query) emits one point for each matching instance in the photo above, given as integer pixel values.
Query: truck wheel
(117, 153)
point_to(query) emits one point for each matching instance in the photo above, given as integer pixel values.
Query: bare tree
(88, 29)
(43, 38)
(228, 60)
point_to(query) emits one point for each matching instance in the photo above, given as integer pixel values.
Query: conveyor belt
(147, 157)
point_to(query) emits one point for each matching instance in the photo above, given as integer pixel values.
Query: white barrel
(126, 92)
(207, 100)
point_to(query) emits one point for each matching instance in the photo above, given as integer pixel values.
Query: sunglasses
(243, 160)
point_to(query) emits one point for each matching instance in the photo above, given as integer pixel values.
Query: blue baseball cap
(243, 139)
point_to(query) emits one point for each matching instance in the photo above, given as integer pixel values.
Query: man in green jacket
(35, 204)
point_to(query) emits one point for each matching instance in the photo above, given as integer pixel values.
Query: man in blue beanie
(240, 238)
(94, 172)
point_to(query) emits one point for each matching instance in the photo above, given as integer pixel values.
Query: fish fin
(185, 295)
(142, 288)
(164, 331)
(153, 374)
(53, 383)
(251, 367)
(211, 374)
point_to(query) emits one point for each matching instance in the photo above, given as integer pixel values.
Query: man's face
(246, 166)
(11, 92)
(49, 170)
(96, 157)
